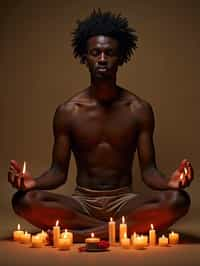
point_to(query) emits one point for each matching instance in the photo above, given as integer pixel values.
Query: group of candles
(139, 241)
(62, 241)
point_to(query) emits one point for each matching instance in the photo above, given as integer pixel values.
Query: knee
(179, 200)
(22, 200)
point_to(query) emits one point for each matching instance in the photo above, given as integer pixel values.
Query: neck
(104, 90)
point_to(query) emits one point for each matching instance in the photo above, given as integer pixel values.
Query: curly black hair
(107, 24)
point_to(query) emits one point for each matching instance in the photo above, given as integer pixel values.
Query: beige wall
(38, 72)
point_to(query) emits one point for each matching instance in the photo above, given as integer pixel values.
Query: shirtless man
(103, 126)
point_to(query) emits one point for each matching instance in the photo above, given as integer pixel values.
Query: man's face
(102, 57)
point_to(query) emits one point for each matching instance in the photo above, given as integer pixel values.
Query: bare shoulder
(140, 108)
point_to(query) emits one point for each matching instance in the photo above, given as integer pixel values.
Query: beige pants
(102, 204)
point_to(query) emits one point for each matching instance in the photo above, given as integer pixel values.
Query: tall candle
(18, 234)
(163, 241)
(111, 232)
(122, 229)
(56, 234)
(152, 236)
(173, 238)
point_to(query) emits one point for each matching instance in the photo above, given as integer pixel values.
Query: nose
(102, 59)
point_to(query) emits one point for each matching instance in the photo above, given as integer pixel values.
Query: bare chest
(92, 126)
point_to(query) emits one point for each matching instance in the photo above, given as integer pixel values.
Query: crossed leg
(42, 209)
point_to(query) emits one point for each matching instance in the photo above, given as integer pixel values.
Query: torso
(104, 140)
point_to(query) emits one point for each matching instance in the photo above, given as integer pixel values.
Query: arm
(57, 174)
(180, 178)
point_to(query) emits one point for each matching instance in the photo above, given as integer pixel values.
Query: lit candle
(139, 242)
(37, 242)
(56, 234)
(92, 242)
(44, 236)
(111, 232)
(67, 234)
(152, 236)
(125, 241)
(122, 229)
(133, 236)
(145, 239)
(25, 238)
(24, 168)
(163, 241)
(17, 234)
(173, 238)
(64, 243)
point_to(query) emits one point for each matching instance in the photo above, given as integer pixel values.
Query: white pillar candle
(139, 242)
(25, 238)
(56, 234)
(37, 242)
(17, 234)
(122, 229)
(163, 241)
(125, 241)
(64, 243)
(173, 238)
(67, 234)
(111, 232)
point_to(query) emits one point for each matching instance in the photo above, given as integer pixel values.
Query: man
(103, 126)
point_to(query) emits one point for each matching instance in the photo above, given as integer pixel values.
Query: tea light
(122, 229)
(18, 234)
(133, 236)
(125, 241)
(56, 234)
(64, 243)
(152, 236)
(92, 242)
(67, 234)
(173, 238)
(25, 238)
(111, 232)
(44, 236)
(37, 242)
(139, 242)
(163, 241)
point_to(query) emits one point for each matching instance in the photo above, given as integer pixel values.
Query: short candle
(37, 242)
(163, 241)
(64, 243)
(173, 238)
(18, 234)
(125, 241)
(92, 242)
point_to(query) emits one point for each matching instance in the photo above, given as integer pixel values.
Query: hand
(182, 177)
(18, 179)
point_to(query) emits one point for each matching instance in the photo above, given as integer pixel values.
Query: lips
(102, 69)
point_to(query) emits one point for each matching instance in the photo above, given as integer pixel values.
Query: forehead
(102, 41)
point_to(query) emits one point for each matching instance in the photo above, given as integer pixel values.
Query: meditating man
(103, 125)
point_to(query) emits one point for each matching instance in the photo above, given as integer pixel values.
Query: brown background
(38, 72)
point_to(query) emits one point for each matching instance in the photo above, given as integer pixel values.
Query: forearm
(51, 179)
(153, 178)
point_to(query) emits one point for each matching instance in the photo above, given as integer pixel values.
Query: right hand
(18, 179)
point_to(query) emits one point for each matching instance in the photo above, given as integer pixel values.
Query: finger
(15, 165)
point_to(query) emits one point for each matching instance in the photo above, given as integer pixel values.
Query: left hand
(182, 177)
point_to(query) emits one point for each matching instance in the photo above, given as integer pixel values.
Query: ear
(121, 61)
(84, 59)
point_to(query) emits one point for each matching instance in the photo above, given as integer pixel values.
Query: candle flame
(65, 236)
(65, 231)
(181, 176)
(92, 235)
(57, 222)
(18, 227)
(152, 226)
(24, 168)
(185, 171)
(26, 233)
(163, 236)
(172, 232)
(123, 219)
(125, 235)
(111, 219)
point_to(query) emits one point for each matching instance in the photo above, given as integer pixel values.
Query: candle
(122, 229)
(44, 236)
(24, 168)
(133, 236)
(92, 242)
(25, 238)
(56, 234)
(111, 232)
(163, 241)
(145, 240)
(152, 236)
(125, 241)
(67, 234)
(37, 242)
(64, 243)
(139, 242)
(173, 238)
(17, 234)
